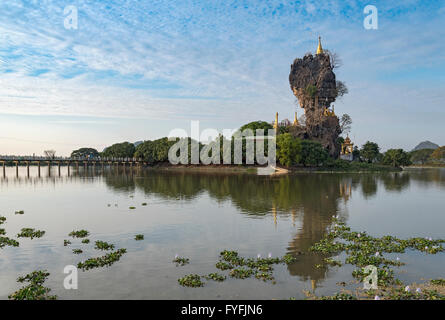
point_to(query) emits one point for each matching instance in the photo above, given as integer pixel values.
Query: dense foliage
(85, 153)
(396, 158)
(421, 156)
(288, 150)
(119, 150)
(438, 154)
(370, 152)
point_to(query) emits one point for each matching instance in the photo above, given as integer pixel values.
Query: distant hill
(137, 143)
(426, 145)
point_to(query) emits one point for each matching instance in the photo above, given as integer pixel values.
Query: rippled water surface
(197, 215)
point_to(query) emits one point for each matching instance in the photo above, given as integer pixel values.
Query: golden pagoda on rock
(275, 125)
(296, 123)
(319, 48)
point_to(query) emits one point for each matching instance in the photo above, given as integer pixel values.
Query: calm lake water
(197, 215)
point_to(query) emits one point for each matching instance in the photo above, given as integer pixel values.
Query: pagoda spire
(296, 120)
(319, 48)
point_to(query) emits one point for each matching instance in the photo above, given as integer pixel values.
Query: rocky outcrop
(314, 85)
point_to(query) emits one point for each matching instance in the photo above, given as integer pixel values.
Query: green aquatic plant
(288, 259)
(144, 204)
(30, 233)
(79, 234)
(438, 282)
(66, 242)
(223, 265)
(86, 241)
(20, 212)
(339, 296)
(191, 280)
(333, 262)
(2, 232)
(362, 250)
(215, 277)
(35, 289)
(264, 276)
(132, 208)
(181, 261)
(241, 273)
(98, 262)
(77, 251)
(139, 237)
(102, 245)
(2, 219)
(5, 241)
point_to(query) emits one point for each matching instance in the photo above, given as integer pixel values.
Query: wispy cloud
(204, 59)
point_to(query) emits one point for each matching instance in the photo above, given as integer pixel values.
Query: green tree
(85, 153)
(370, 151)
(438, 154)
(312, 153)
(288, 150)
(356, 153)
(119, 150)
(421, 156)
(257, 125)
(396, 158)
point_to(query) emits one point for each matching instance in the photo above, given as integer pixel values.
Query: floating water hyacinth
(102, 245)
(418, 290)
(35, 289)
(377, 254)
(79, 234)
(407, 289)
(30, 233)
(103, 261)
(269, 255)
(139, 237)
(376, 298)
(181, 261)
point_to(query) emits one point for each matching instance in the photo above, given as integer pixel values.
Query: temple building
(347, 147)
(329, 113)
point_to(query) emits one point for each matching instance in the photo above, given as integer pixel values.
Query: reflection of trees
(368, 183)
(395, 181)
(119, 182)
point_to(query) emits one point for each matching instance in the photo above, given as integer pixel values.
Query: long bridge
(69, 162)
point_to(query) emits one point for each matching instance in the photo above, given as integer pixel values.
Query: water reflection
(308, 200)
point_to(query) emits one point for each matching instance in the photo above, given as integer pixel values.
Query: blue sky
(135, 70)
